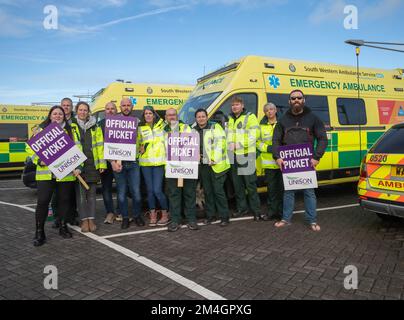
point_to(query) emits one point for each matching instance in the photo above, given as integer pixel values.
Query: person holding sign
(152, 157)
(92, 141)
(178, 195)
(107, 176)
(272, 172)
(213, 168)
(299, 125)
(243, 133)
(126, 172)
(47, 182)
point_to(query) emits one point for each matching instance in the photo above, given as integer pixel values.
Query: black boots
(64, 231)
(40, 237)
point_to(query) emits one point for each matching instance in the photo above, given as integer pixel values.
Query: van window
(351, 111)
(250, 105)
(391, 142)
(317, 104)
(13, 132)
(187, 112)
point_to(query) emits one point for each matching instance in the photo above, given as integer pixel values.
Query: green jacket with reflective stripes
(42, 172)
(244, 132)
(97, 142)
(264, 145)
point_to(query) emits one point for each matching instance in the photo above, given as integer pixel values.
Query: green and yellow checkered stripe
(11, 152)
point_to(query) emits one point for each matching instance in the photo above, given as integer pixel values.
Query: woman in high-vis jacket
(47, 182)
(152, 158)
(92, 142)
(213, 167)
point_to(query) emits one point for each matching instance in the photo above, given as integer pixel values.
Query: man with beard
(299, 125)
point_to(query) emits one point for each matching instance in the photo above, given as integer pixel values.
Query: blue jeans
(129, 176)
(153, 177)
(106, 180)
(309, 205)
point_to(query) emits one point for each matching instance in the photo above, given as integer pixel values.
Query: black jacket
(296, 129)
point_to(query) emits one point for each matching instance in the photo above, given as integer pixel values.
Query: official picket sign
(120, 138)
(297, 171)
(57, 150)
(182, 155)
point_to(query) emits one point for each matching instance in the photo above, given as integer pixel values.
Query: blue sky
(172, 41)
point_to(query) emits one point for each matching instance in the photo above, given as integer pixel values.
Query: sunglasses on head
(296, 98)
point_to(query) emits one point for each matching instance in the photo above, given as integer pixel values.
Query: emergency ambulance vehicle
(381, 181)
(160, 96)
(352, 124)
(16, 127)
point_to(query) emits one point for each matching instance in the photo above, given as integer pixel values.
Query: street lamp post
(371, 44)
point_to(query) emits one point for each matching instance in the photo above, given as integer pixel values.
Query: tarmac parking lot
(245, 260)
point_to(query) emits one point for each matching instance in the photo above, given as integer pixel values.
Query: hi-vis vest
(267, 132)
(153, 140)
(215, 148)
(97, 143)
(245, 131)
(43, 173)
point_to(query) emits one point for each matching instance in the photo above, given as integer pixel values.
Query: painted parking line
(6, 189)
(217, 222)
(191, 285)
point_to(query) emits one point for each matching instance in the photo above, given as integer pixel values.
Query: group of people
(224, 152)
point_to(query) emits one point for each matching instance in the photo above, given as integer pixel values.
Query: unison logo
(112, 151)
(62, 166)
(182, 171)
(299, 181)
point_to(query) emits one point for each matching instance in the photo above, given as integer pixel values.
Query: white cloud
(13, 26)
(242, 3)
(327, 11)
(96, 28)
(73, 11)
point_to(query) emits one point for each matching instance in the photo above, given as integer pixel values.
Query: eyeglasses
(296, 98)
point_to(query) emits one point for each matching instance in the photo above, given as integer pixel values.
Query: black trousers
(63, 193)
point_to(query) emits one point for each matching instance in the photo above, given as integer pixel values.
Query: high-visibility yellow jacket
(97, 142)
(264, 145)
(42, 172)
(244, 132)
(153, 140)
(215, 148)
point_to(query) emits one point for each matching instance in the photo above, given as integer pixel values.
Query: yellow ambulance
(381, 181)
(17, 123)
(353, 124)
(160, 96)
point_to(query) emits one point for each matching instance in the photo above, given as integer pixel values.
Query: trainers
(139, 222)
(192, 226)
(153, 218)
(109, 219)
(224, 222)
(165, 218)
(209, 220)
(119, 218)
(238, 213)
(258, 218)
(125, 223)
(172, 227)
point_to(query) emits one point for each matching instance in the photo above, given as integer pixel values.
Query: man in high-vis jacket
(180, 196)
(243, 133)
(273, 173)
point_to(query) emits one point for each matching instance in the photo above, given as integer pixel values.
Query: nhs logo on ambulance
(134, 100)
(274, 81)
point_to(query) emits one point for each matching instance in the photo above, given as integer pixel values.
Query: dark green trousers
(275, 191)
(178, 197)
(245, 186)
(213, 188)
